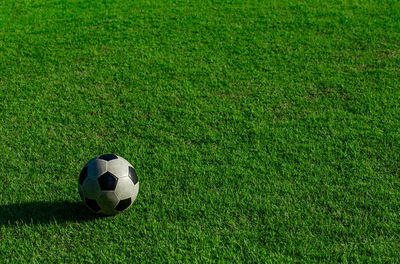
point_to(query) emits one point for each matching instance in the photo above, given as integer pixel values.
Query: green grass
(261, 131)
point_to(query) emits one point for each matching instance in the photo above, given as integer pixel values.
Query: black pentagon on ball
(92, 204)
(108, 157)
(108, 181)
(123, 204)
(83, 174)
(133, 175)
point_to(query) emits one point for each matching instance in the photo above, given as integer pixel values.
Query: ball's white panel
(91, 161)
(118, 167)
(127, 162)
(91, 188)
(81, 194)
(107, 201)
(135, 191)
(96, 168)
(125, 188)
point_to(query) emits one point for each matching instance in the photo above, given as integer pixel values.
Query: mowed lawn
(261, 131)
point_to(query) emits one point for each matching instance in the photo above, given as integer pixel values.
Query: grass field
(261, 131)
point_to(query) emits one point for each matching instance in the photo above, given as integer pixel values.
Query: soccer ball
(108, 184)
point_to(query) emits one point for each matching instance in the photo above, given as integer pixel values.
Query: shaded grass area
(260, 131)
(43, 213)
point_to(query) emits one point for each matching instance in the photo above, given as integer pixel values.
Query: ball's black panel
(133, 175)
(123, 204)
(108, 181)
(83, 174)
(92, 204)
(108, 157)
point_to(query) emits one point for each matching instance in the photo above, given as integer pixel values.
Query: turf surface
(261, 131)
